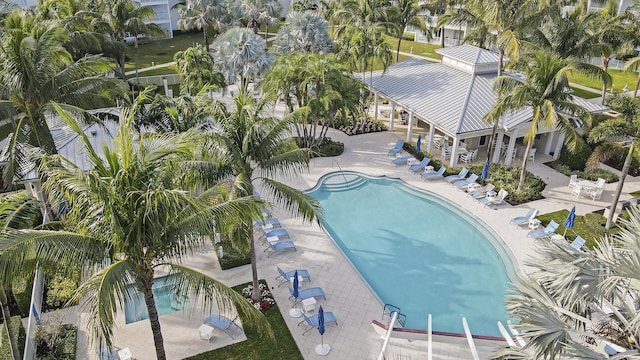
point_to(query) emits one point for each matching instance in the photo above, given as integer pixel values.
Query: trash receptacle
(624, 205)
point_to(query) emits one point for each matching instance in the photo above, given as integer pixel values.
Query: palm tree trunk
(635, 91)
(206, 38)
(123, 58)
(523, 171)
(494, 129)
(150, 301)
(605, 66)
(136, 58)
(442, 36)
(616, 195)
(398, 48)
(6, 315)
(256, 296)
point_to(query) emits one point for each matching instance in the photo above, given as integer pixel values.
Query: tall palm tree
(439, 8)
(175, 114)
(255, 13)
(633, 64)
(196, 69)
(472, 17)
(545, 91)
(241, 56)
(134, 207)
(205, 15)
(306, 31)
(36, 70)
(408, 14)
(626, 126)
(252, 150)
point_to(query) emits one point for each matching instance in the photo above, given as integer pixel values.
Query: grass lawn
(417, 48)
(161, 51)
(584, 93)
(589, 226)
(167, 70)
(257, 346)
(620, 79)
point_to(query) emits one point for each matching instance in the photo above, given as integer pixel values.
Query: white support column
(559, 145)
(512, 146)
(410, 128)
(432, 131)
(376, 97)
(496, 151)
(454, 153)
(547, 145)
(392, 116)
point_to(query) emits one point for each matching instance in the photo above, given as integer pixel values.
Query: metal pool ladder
(341, 171)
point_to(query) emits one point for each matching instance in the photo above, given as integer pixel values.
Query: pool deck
(348, 297)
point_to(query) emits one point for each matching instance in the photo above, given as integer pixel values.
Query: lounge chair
(482, 192)
(396, 149)
(420, 166)
(435, 174)
(268, 224)
(220, 322)
(497, 200)
(311, 322)
(578, 243)
(275, 234)
(286, 276)
(402, 160)
(461, 175)
(546, 232)
(524, 220)
(463, 183)
(308, 293)
(279, 246)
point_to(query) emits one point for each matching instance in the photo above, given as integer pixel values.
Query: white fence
(35, 309)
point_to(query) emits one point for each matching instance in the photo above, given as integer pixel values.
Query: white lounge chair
(524, 220)
(482, 192)
(497, 200)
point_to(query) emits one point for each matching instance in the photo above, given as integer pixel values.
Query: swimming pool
(167, 301)
(417, 251)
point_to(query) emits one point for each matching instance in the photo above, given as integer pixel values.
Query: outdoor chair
(445, 154)
(546, 232)
(461, 175)
(577, 190)
(434, 174)
(420, 166)
(268, 224)
(573, 180)
(482, 192)
(307, 293)
(288, 275)
(532, 155)
(223, 323)
(279, 246)
(578, 243)
(396, 149)
(402, 160)
(497, 200)
(595, 194)
(311, 322)
(524, 220)
(275, 234)
(468, 181)
(468, 157)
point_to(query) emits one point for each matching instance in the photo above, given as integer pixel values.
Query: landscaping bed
(589, 226)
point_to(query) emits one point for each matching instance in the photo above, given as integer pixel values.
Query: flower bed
(362, 128)
(267, 299)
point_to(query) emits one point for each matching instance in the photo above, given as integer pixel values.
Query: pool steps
(343, 181)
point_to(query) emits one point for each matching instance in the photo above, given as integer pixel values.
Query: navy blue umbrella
(295, 286)
(321, 323)
(485, 170)
(569, 222)
(418, 143)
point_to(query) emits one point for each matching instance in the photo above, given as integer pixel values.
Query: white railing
(35, 311)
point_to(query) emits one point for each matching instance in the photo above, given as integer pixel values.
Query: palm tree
(409, 14)
(253, 148)
(255, 13)
(633, 64)
(306, 31)
(195, 66)
(472, 17)
(545, 91)
(626, 126)
(204, 15)
(119, 17)
(142, 217)
(37, 70)
(241, 56)
(551, 303)
(439, 8)
(17, 211)
(175, 114)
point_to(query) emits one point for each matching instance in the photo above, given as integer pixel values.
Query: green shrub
(56, 343)
(575, 161)
(59, 290)
(328, 148)
(232, 257)
(21, 291)
(617, 161)
(18, 329)
(408, 36)
(592, 175)
(504, 177)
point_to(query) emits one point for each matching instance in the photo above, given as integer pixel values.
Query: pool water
(167, 301)
(418, 252)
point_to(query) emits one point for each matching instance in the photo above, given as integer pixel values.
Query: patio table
(587, 184)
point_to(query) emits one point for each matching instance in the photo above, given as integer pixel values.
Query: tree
(408, 14)
(134, 207)
(607, 134)
(121, 17)
(204, 15)
(241, 56)
(553, 303)
(175, 115)
(36, 70)
(195, 66)
(255, 13)
(633, 64)
(545, 91)
(306, 31)
(439, 8)
(253, 148)
(472, 17)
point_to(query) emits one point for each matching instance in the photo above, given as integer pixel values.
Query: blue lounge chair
(289, 274)
(269, 223)
(435, 174)
(578, 243)
(311, 322)
(276, 247)
(280, 233)
(524, 220)
(482, 192)
(396, 149)
(463, 183)
(546, 232)
(461, 175)
(420, 166)
(402, 160)
(308, 293)
(222, 323)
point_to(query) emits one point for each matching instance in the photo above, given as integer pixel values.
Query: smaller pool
(167, 301)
